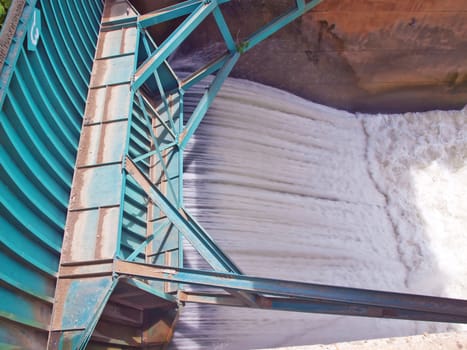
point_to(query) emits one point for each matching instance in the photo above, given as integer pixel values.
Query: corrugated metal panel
(43, 99)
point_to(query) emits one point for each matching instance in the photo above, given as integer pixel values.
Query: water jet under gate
(32, 306)
(329, 196)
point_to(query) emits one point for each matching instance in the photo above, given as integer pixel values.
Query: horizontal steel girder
(197, 12)
(282, 294)
(148, 67)
(168, 13)
(304, 297)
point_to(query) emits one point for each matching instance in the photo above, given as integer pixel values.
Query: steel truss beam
(304, 297)
(245, 290)
(130, 174)
(191, 230)
(172, 42)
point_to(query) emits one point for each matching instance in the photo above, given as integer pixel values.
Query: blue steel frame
(153, 164)
(295, 296)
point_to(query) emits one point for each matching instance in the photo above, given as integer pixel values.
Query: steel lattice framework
(126, 222)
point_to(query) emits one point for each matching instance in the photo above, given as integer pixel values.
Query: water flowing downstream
(299, 191)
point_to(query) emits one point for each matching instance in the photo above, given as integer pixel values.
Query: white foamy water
(294, 190)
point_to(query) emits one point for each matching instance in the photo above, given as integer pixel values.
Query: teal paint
(299, 297)
(46, 83)
(42, 97)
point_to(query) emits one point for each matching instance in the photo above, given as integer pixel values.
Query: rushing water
(295, 190)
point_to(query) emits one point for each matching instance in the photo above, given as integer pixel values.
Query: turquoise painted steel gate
(116, 280)
(43, 89)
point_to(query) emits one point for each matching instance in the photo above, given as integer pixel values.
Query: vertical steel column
(93, 226)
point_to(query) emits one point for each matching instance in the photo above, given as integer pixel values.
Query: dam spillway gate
(121, 278)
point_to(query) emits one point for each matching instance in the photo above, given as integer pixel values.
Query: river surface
(295, 190)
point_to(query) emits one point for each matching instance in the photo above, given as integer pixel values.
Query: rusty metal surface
(107, 211)
(118, 11)
(116, 108)
(94, 212)
(96, 187)
(125, 36)
(306, 297)
(102, 143)
(113, 71)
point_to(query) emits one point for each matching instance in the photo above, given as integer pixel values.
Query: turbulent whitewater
(295, 190)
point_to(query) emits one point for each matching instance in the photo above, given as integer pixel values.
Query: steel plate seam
(65, 131)
(16, 148)
(52, 77)
(56, 66)
(43, 126)
(57, 45)
(66, 41)
(79, 44)
(31, 138)
(75, 39)
(91, 38)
